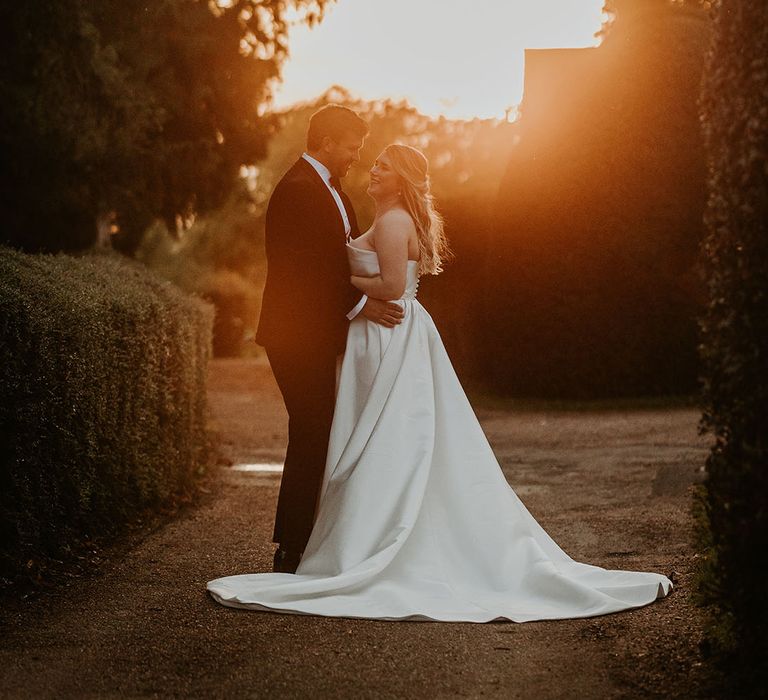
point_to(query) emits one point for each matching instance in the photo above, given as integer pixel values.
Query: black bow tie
(336, 183)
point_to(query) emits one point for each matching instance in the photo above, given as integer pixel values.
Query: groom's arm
(382, 312)
(385, 313)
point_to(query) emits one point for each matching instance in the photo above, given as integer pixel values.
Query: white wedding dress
(416, 519)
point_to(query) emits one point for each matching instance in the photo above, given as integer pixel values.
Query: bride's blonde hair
(412, 167)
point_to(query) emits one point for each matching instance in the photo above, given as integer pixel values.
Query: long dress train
(416, 519)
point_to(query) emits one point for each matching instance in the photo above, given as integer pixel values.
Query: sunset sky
(446, 57)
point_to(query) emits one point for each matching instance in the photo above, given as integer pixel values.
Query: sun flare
(442, 56)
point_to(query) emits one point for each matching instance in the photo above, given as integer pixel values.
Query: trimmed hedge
(735, 341)
(590, 283)
(103, 412)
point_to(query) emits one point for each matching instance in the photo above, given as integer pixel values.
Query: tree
(131, 110)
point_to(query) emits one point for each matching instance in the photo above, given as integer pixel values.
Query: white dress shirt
(325, 174)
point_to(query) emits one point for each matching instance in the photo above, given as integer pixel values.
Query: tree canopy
(125, 111)
(222, 255)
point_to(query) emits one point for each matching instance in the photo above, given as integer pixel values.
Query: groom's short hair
(334, 121)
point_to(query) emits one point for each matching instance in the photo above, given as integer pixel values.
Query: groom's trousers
(307, 380)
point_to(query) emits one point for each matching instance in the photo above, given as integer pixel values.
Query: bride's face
(385, 182)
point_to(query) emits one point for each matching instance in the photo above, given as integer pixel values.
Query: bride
(415, 518)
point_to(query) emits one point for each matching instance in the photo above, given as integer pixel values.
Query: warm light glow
(445, 57)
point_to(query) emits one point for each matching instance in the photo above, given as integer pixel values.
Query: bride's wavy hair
(412, 167)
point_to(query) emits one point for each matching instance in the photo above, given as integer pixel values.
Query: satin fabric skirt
(416, 519)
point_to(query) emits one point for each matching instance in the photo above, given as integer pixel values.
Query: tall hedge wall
(102, 410)
(735, 335)
(590, 288)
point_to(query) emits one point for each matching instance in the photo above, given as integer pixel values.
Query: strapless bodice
(365, 263)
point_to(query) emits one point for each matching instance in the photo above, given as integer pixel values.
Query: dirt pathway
(610, 487)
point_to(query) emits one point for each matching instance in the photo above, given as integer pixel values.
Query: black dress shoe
(286, 561)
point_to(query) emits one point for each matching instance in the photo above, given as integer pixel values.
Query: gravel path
(611, 487)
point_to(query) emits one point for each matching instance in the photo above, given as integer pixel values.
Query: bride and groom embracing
(392, 504)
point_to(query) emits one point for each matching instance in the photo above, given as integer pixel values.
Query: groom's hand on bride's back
(385, 313)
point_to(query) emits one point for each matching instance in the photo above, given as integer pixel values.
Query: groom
(307, 305)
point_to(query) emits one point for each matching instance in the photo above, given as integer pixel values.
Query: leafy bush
(220, 258)
(735, 339)
(103, 412)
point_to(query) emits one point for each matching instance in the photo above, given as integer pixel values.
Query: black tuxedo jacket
(307, 293)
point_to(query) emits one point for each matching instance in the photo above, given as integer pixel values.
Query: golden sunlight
(445, 57)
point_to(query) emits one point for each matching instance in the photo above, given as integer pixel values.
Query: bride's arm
(392, 233)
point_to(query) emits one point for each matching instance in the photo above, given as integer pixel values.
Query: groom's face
(342, 154)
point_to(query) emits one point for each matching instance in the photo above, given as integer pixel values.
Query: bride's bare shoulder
(396, 219)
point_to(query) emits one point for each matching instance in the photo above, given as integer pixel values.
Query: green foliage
(103, 414)
(144, 110)
(735, 339)
(592, 290)
(220, 258)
